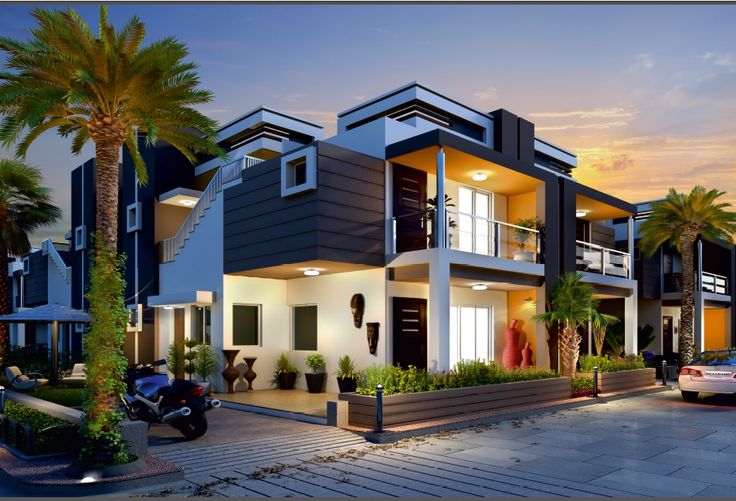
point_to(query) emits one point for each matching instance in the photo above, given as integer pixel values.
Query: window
(304, 326)
(299, 172)
(201, 324)
(246, 325)
(475, 212)
(133, 217)
(470, 334)
(26, 265)
(80, 237)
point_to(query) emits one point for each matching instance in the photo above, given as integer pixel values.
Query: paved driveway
(652, 445)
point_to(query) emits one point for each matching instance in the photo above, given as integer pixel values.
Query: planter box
(612, 382)
(412, 407)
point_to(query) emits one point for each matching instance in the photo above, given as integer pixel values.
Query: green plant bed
(465, 373)
(606, 363)
(68, 397)
(48, 434)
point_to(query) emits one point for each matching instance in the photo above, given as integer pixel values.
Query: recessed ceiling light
(480, 176)
(480, 287)
(581, 213)
(168, 307)
(311, 272)
(187, 202)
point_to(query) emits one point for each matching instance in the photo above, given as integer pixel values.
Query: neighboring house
(659, 279)
(42, 277)
(291, 227)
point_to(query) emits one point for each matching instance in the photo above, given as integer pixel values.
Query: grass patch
(68, 397)
(606, 363)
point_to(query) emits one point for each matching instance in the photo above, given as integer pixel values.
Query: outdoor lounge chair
(23, 382)
(77, 377)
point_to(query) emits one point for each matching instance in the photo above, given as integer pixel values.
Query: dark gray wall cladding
(343, 220)
(36, 282)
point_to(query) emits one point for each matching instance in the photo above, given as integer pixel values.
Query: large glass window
(201, 324)
(304, 326)
(470, 334)
(474, 221)
(246, 324)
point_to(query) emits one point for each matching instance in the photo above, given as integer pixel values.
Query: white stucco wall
(59, 291)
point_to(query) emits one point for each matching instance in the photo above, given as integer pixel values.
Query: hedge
(35, 432)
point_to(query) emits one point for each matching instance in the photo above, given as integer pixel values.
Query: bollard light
(664, 372)
(379, 408)
(595, 381)
(2, 400)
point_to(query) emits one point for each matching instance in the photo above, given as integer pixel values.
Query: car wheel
(690, 396)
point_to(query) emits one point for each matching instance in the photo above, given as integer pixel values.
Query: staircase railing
(49, 249)
(226, 173)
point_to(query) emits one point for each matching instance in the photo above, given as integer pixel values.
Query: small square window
(26, 265)
(133, 217)
(304, 326)
(80, 237)
(299, 172)
(246, 324)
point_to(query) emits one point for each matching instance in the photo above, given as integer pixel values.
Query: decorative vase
(230, 373)
(526, 355)
(347, 384)
(315, 382)
(249, 374)
(286, 380)
(511, 356)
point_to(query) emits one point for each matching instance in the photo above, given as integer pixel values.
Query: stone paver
(648, 445)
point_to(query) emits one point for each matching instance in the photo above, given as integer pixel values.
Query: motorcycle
(152, 398)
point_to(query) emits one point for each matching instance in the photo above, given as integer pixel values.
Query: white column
(441, 230)
(630, 228)
(631, 322)
(438, 338)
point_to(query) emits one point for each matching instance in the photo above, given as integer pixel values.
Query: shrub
(285, 366)
(204, 361)
(581, 383)
(606, 363)
(346, 368)
(465, 373)
(175, 360)
(50, 434)
(315, 361)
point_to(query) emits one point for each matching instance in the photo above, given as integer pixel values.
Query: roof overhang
(180, 197)
(200, 298)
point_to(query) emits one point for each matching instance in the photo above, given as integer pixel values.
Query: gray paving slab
(702, 475)
(650, 484)
(557, 452)
(679, 432)
(716, 491)
(343, 485)
(697, 458)
(635, 464)
(492, 455)
(570, 470)
(687, 444)
(624, 448)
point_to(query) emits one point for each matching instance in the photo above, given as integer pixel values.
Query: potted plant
(522, 237)
(204, 365)
(316, 378)
(347, 376)
(430, 214)
(286, 373)
(189, 367)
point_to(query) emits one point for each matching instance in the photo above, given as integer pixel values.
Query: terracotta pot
(286, 380)
(511, 356)
(315, 382)
(249, 374)
(230, 373)
(526, 355)
(347, 385)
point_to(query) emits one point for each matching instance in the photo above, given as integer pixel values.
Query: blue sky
(645, 94)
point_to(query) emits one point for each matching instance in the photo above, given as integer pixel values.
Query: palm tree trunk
(4, 306)
(107, 172)
(686, 339)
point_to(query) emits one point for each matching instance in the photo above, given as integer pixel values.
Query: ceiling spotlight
(581, 213)
(168, 307)
(480, 176)
(187, 202)
(311, 272)
(480, 287)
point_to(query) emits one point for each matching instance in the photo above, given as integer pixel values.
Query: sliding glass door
(475, 212)
(471, 336)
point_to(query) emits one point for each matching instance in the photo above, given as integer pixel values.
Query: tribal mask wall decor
(372, 336)
(357, 307)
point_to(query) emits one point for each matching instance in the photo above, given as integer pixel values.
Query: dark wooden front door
(410, 332)
(667, 334)
(410, 203)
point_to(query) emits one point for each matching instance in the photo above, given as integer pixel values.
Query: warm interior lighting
(480, 287)
(581, 213)
(186, 202)
(311, 272)
(528, 299)
(168, 307)
(480, 176)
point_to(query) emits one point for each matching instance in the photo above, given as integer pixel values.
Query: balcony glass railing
(596, 259)
(467, 233)
(715, 284)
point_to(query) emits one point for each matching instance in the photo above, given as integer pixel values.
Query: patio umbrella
(52, 313)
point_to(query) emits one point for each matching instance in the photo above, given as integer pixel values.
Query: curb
(389, 436)
(294, 416)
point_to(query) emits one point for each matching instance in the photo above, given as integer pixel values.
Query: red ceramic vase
(511, 356)
(526, 355)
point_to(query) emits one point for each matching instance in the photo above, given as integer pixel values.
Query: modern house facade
(659, 282)
(292, 228)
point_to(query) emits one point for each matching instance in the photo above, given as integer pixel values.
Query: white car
(709, 372)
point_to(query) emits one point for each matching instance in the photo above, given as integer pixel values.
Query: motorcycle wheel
(192, 426)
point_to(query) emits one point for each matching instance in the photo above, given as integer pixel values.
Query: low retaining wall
(412, 407)
(614, 382)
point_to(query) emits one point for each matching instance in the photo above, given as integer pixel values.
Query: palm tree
(680, 219)
(25, 206)
(572, 304)
(599, 323)
(110, 89)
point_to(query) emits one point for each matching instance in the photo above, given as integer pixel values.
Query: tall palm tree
(680, 219)
(572, 304)
(110, 89)
(25, 206)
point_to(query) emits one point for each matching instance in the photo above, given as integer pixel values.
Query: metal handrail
(600, 247)
(714, 285)
(494, 221)
(604, 252)
(49, 249)
(171, 247)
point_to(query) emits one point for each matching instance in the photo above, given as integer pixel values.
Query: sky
(644, 94)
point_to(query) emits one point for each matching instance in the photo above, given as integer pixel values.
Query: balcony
(601, 260)
(710, 282)
(467, 233)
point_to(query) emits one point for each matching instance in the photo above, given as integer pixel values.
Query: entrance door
(475, 212)
(410, 203)
(410, 332)
(667, 333)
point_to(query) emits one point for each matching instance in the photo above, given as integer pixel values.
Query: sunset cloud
(488, 94)
(642, 62)
(615, 112)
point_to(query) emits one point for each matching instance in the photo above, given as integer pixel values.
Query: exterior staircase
(49, 249)
(226, 173)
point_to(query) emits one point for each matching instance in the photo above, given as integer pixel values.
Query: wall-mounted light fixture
(581, 213)
(479, 287)
(311, 272)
